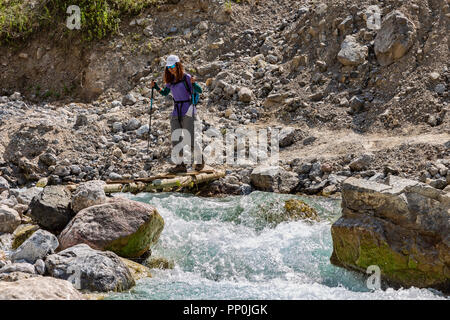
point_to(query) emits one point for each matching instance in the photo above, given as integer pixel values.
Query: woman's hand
(193, 79)
(152, 84)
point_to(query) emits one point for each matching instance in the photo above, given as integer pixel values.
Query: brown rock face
(402, 226)
(123, 226)
(395, 38)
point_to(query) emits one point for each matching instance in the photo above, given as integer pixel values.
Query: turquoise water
(225, 249)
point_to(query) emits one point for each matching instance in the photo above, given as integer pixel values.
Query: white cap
(171, 60)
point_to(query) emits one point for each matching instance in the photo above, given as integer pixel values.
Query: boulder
(132, 124)
(274, 178)
(209, 69)
(51, 208)
(362, 162)
(5, 241)
(9, 219)
(40, 244)
(24, 196)
(129, 100)
(4, 185)
(39, 288)
(352, 53)
(395, 38)
(88, 194)
(287, 136)
(123, 226)
(18, 267)
(90, 269)
(245, 94)
(402, 226)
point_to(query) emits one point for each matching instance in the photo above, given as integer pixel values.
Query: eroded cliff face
(402, 226)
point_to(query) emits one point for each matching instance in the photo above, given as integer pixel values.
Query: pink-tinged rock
(123, 226)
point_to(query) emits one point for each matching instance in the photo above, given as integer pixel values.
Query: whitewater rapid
(223, 248)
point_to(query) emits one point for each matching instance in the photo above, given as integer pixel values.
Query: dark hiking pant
(186, 123)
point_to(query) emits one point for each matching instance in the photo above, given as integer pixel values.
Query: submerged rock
(159, 263)
(39, 288)
(123, 226)
(299, 210)
(402, 226)
(90, 269)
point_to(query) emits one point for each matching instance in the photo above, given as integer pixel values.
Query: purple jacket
(180, 93)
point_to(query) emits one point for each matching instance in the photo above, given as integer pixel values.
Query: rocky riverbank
(354, 97)
(84, 240)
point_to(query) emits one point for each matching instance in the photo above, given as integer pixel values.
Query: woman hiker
(184, 113)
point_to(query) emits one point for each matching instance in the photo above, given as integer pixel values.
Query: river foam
(225, 249)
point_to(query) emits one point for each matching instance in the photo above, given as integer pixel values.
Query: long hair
(169, 78)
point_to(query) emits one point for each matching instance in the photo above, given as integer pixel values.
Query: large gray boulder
(352, 53)
(395, 38)
(9, 219)
(39, 288)
(38, 246)
(274, 179)
(402, 226)
(90, 269)
(88, 194)
(123, 226)
(51, 208)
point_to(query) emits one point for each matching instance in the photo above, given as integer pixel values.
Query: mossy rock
(136, 244)
(357, 246)
(299, 210)
(138, 271)
(159, 263)
(126, 227)
(22, 233)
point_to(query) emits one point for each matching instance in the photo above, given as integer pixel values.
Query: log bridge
(165, 182)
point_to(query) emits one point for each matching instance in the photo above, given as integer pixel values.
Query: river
(224, 248)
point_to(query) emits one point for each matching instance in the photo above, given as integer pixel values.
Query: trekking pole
(150, 122)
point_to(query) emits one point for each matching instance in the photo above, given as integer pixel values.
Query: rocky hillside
(354, 96)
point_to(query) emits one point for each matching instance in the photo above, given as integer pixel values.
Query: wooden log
(182, 181)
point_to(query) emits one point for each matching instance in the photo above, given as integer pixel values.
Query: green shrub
(99, 18)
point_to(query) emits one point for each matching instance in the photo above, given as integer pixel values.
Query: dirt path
(331, 144)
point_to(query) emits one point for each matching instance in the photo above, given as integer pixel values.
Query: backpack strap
(186, 84)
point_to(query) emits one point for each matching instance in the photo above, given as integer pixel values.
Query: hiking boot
(179, 168)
